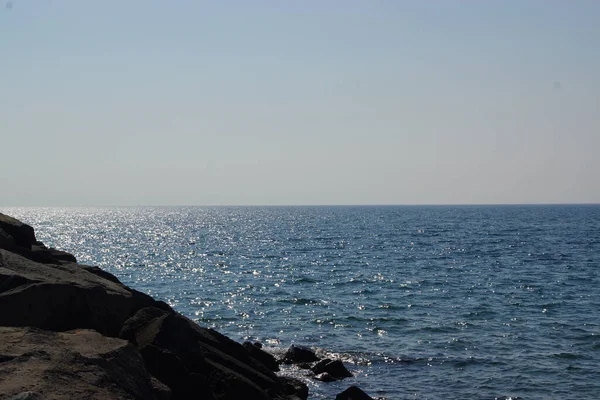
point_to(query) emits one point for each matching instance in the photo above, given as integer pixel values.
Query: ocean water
(437, 302)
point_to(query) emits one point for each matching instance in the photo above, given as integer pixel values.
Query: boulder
(353, 393)
(63, 297)
(76, 364)
(299, 354)
(334, 368)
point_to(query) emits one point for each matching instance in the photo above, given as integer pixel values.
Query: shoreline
(72, 330)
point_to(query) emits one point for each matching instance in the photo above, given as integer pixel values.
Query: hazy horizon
(312, 103)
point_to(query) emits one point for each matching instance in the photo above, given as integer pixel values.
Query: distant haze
(299, 102)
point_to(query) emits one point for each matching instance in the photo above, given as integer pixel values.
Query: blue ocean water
(423, 302)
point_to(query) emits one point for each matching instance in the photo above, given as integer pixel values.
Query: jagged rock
(23, 234)
(294, 387)
(353, 393)
(230, 371)
(75, 364)
(19, 238)
(267, 359)
(335, 368)
(63, 297)
(299, 354)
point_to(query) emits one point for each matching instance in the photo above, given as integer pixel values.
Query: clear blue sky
(299, 102)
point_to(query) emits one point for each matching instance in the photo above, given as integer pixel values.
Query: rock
(299, 354)
(265, 358)
(6, 241)
(230, 371)
(75, 364)
(23, 234)
(19, 238)
(335, 368)
(169, 369)
(294, 387)
(161, 391)
(63, 297)
(27, 396)
(353, 393)
(325, 377)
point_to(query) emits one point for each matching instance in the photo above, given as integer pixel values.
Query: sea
(420, 302)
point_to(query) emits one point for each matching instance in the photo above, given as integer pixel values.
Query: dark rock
(353, 393)
(76, 364)
(325, 377)
(299, 354)
(230, 371)
(19, 238)
(23, 234)
(170, 370)
(161, 391)
(295, 387)
(335, 368)
(262, 356)
(62, 255)
(62, 297)
(27, 396)
(6, 241)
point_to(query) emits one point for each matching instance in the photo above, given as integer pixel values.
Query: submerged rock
(334, 368)
(299, 354)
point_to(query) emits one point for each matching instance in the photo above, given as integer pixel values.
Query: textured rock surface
(62, 297)
(76, 364)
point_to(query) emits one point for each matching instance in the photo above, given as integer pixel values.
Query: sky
(310, 102)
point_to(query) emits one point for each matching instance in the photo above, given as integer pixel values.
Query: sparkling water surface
(423, 302)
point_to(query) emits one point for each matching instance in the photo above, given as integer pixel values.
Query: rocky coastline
(69, 330)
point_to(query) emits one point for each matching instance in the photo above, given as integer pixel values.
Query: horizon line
(305, 205)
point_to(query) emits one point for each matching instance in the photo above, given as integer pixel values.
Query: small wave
(568, 356)
(302, 301)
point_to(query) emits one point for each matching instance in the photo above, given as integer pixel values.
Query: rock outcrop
(74, 364)
(75, 331)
